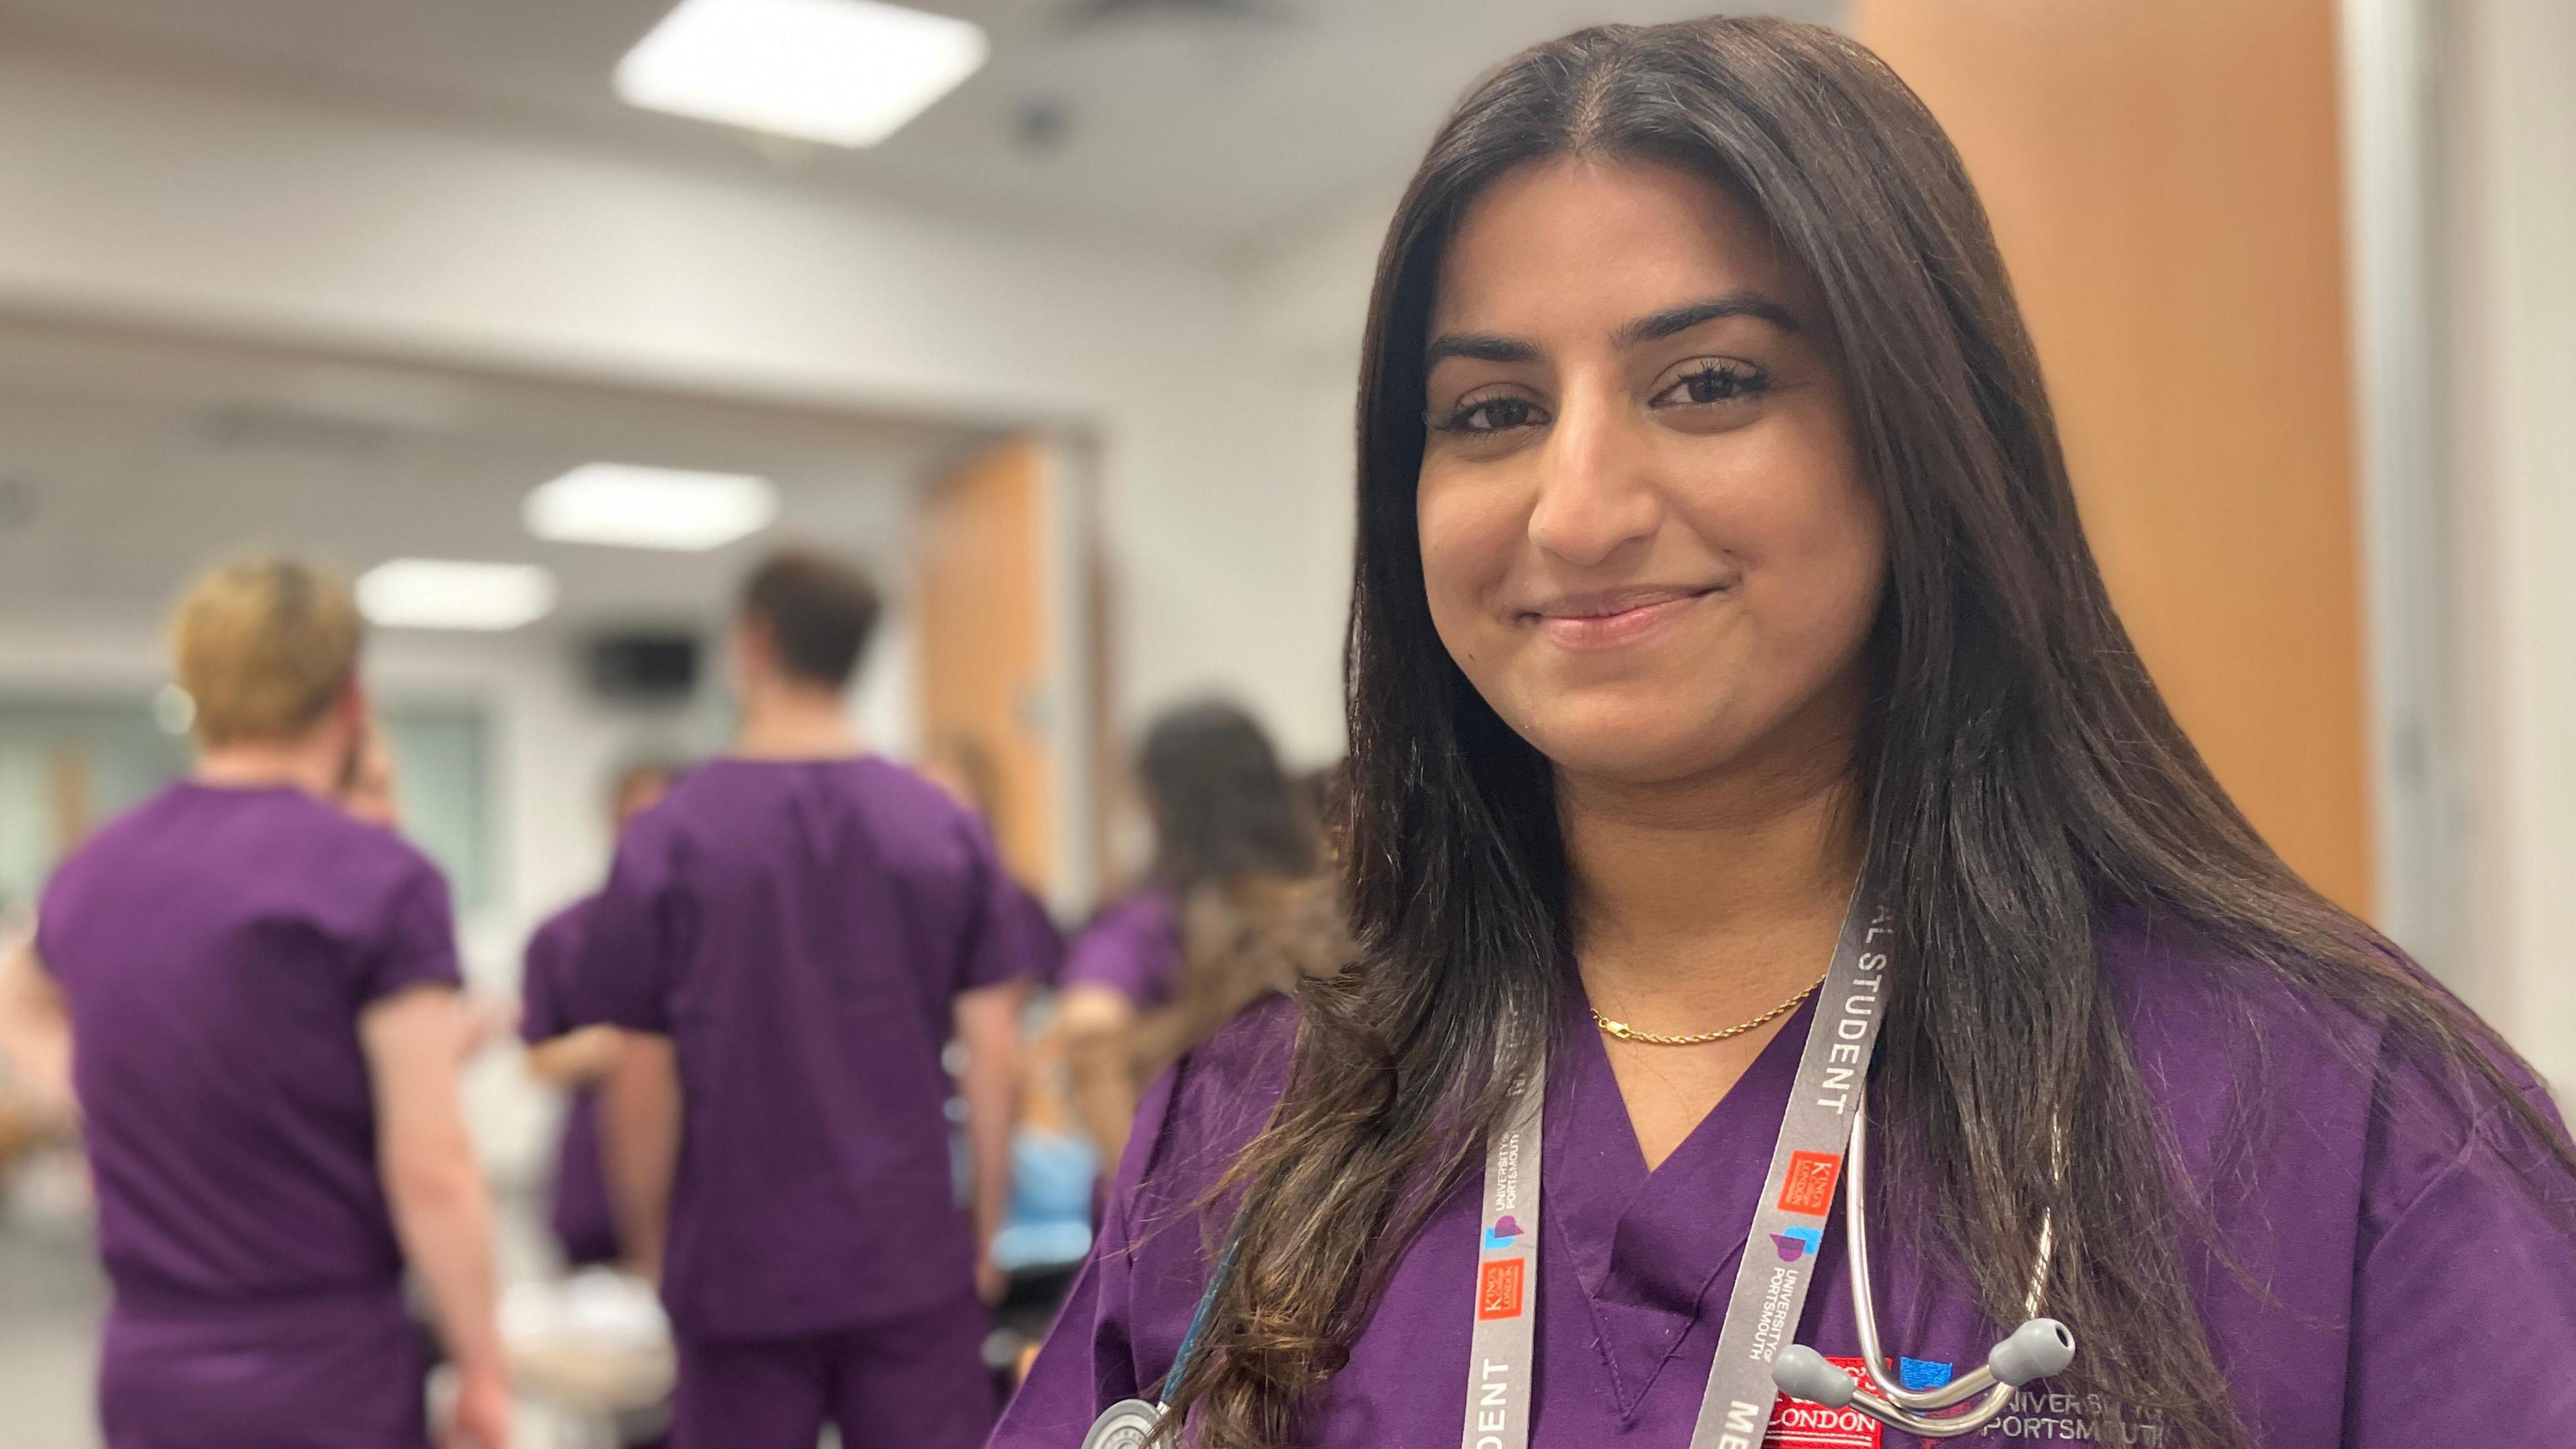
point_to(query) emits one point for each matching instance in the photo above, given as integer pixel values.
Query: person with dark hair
(261, 998)
(815, 614)
(789, 939)
(578, 1058)
(1230, 837)
(1725, 629)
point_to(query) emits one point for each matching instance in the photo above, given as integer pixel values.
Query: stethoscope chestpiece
(1126, 1424)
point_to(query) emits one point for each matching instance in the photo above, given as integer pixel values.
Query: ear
(755, 649)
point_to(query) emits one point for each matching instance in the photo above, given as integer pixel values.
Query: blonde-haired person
(259, 995)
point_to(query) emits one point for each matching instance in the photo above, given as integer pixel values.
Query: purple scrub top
(1039, 930)
(577, 1208)
(216, 948)
(2420, 1293)
(1132, 947)
(801, 931)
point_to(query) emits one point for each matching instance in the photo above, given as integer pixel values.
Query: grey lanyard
(1779, 1253)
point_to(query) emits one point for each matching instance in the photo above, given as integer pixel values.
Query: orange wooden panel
(2165, 182)
(983, 637)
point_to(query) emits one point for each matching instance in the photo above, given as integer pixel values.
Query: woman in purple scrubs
(1720, 587)
(261, 997)
(1225, 815)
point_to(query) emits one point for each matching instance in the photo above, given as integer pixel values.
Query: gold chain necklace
(1624, 1032)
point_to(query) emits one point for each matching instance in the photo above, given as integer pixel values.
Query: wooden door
(985, 635)
(2165, 181)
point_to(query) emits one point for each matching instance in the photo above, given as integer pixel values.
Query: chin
(1645, 743)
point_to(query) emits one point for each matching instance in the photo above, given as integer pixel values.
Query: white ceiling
(1213, 130)
(126, 463)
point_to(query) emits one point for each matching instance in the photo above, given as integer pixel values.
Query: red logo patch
(1498, 1289)
(1799, 1425)
(1809, 1187)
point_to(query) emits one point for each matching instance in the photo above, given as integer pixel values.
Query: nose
(1596, 495)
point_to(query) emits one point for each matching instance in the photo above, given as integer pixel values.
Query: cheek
(1468, 534)
(1796, 510)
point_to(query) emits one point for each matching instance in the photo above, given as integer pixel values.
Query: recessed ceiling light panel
(843, 72)
(637, 507)
(432, 593)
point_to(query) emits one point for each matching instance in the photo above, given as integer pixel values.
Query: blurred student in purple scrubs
(261, 998)
(1177, 957)
(578, 1058)
(792, 937)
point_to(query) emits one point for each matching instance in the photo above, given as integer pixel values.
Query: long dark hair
(1223, 807)
(2020, 778)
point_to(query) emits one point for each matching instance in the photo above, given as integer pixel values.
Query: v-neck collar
(1651, 1248)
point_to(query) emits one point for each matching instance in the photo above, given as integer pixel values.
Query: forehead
(1581, 245)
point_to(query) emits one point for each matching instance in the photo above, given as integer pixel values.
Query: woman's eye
(1714, 382)
(1491, 415)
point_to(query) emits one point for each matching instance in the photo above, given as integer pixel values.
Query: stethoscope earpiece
(2040, 1348)
(1802, 1373)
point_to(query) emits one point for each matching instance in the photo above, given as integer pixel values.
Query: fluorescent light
(635, 507)
(433, 593)
(843, 72)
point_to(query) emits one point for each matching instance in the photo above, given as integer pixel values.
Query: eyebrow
(1476, 347)
(1653, 327)
(1673, 321)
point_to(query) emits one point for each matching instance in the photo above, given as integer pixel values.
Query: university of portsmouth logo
(1499, 1289)
(1505, 1232)
(1809, 1186)
(1796, 1243)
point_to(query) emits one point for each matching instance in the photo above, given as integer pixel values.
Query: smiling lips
(1613, 618)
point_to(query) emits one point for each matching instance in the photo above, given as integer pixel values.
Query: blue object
(1049, 1222)
(1920, 1374)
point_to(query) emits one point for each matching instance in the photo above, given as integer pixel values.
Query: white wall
(171, 203)
(1307, 298)
(2513, 154)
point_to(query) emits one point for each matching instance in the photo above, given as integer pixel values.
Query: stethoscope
(2040, 1348)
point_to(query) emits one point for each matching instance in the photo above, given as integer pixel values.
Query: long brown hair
(2021, 777)
(1237, 847)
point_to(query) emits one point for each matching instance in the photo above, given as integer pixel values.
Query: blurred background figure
(260, 999)
(789, 940)
(548, 327)
(576, 1059)
(594, 1348)
(1230, 910)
